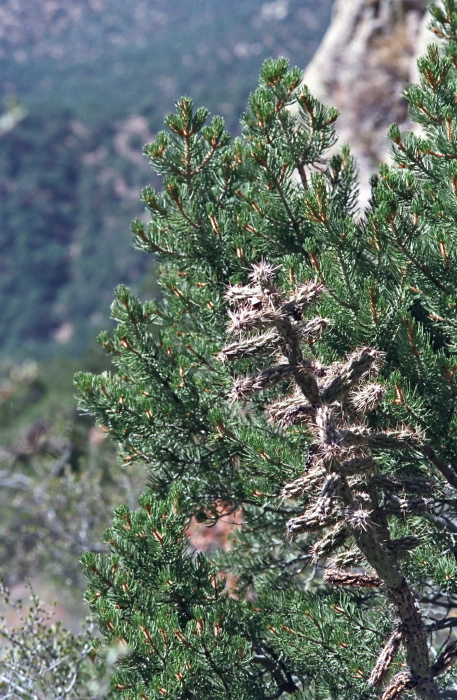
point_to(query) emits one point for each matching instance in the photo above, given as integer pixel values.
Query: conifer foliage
(297, 380)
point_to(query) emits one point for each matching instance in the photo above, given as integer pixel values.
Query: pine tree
(296, 379)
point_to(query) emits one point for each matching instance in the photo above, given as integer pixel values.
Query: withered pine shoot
(295, 386)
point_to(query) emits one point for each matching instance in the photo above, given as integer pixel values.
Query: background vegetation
(96, 79)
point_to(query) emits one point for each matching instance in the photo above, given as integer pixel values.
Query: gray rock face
(365, 60)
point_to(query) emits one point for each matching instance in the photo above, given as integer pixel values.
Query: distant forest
(96, 79)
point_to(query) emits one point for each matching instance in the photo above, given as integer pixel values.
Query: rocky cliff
(362, 66)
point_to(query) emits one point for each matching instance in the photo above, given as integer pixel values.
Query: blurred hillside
(96, 78)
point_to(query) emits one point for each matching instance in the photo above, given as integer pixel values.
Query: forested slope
(96, 79)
